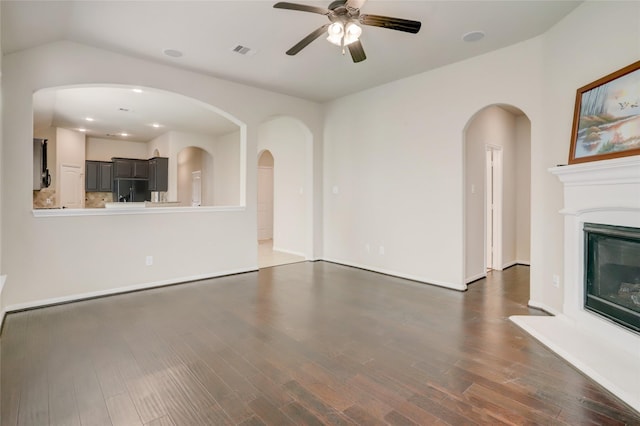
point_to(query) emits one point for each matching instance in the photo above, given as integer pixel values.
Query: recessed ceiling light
(82, 130)
(473, 36)
(124, 134)
(89, 119)
(137, 90)
(156, 125)
(172, 52)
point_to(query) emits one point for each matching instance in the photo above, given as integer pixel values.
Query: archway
(265, 196)
(497, 178)
(195, 177)
(290, 143)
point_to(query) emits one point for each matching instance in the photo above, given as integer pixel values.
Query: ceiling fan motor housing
(340, 12)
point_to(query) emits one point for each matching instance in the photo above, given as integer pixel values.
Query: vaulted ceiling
(206, 33)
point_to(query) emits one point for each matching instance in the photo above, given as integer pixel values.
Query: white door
(493, 235)
(71, 187)
(265, 203)
(196, 188)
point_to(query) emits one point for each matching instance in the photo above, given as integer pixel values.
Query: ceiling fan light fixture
(336, 32)
(352, 33)
(343, 36)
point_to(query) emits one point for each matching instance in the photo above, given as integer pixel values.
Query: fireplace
(612, 273)
(597, 328)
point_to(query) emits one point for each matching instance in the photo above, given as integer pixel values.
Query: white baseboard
(400, 275)
(119, 290)
(509, 264)
(295, 253)
(475, 277)
(548, 309)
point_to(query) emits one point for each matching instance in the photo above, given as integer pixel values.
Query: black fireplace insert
(612, 273)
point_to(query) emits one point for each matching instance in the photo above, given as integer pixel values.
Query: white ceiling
(114, 110)
(206, 32)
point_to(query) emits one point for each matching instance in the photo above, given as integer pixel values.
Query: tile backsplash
(44, 198)
(96, 200)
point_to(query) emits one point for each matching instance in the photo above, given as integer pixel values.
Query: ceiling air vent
(244, 50)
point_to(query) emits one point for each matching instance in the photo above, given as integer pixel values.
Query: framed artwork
(606, 119)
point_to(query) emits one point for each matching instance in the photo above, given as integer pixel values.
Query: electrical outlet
(556, 280)
(148, 260)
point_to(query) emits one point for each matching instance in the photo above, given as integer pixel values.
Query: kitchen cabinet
(98, 176)
(140, 169)
(129, 168)
(158, 174)
(122, 168)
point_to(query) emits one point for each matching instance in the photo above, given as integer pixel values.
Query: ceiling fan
(343, 29)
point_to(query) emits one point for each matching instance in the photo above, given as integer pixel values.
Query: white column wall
(226, 170)
(523, 193)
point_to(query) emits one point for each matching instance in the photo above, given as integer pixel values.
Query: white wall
(184, 245)
(289, 143)
(226, 170)
(162, 143)
(99, 149)
(523, 192)
(394, 154)
(2, 276)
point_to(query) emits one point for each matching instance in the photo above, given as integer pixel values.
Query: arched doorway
(497, 177)
(265, 196)
(195, 177)
(289, 142)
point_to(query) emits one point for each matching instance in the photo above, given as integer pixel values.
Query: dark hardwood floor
(307, 343)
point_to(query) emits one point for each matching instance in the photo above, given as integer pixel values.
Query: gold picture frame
(606, 118)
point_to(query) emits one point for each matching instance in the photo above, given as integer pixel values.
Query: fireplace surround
(598, 196)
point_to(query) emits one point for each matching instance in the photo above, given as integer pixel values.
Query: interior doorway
(267, 255)
(265, 196)
(493, 208)
(497, 190)
(196, 188)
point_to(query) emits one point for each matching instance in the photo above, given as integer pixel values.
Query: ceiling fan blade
(308, 39)
(398, 24)
(357, 52)
(301, 7)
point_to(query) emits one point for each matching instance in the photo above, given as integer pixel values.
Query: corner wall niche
(605, 195)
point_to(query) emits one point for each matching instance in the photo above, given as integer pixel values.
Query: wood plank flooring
(306, 343)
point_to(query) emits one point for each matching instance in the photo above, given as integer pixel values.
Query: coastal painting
(606, 122)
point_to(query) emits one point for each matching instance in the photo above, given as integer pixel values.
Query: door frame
(493, 207)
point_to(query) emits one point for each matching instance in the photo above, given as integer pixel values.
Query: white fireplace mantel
(606, 192)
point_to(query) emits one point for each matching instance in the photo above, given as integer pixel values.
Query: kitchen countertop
(141, 205)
